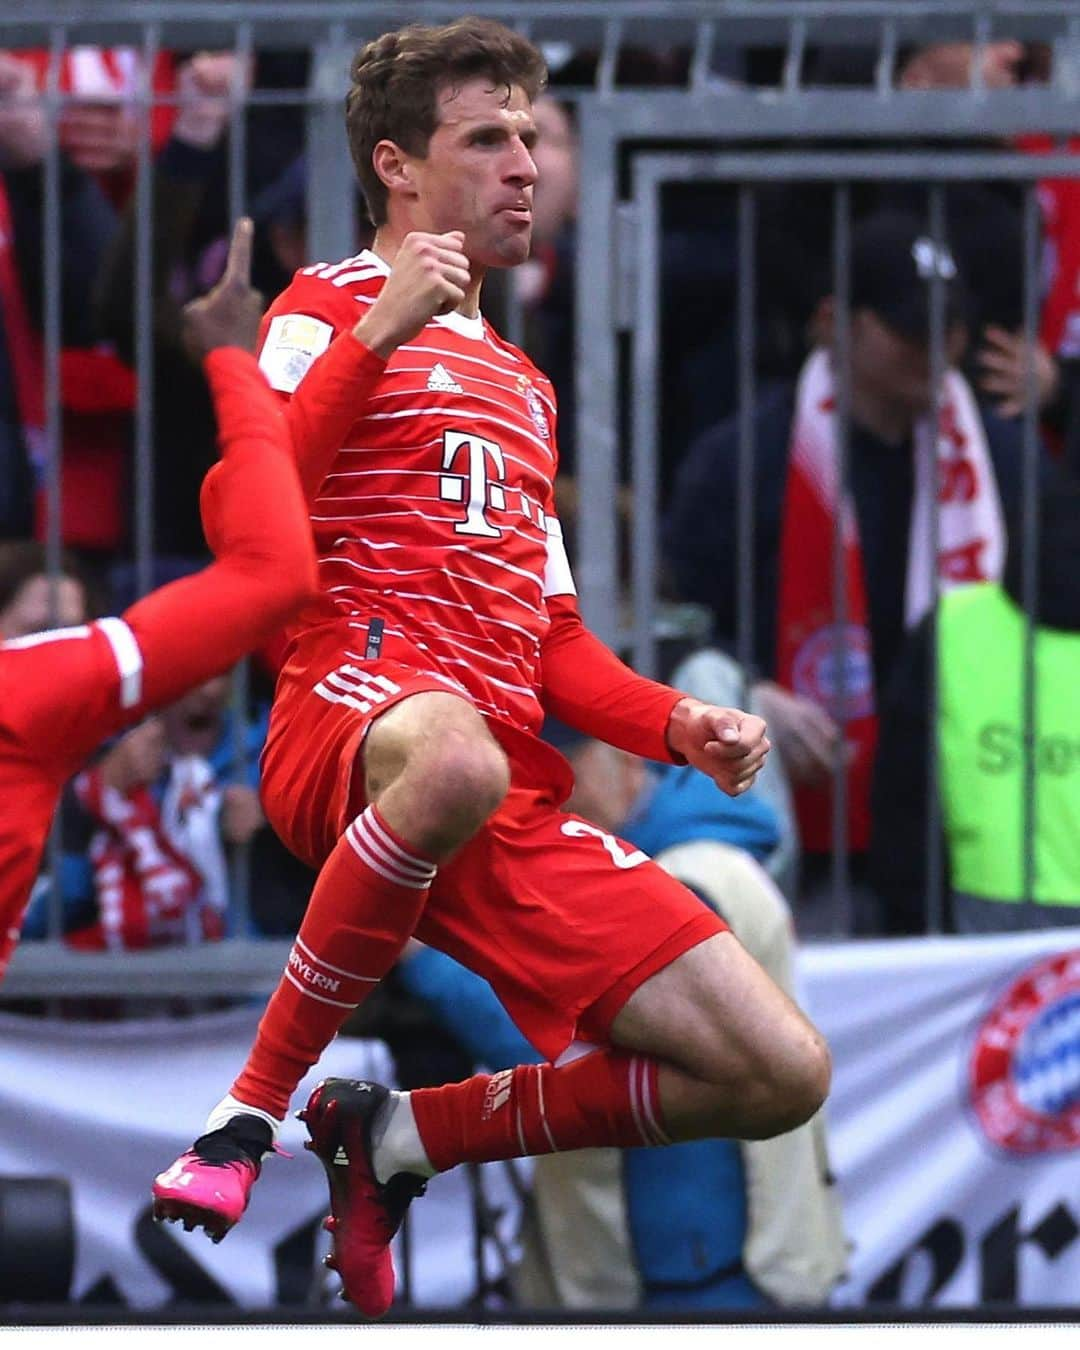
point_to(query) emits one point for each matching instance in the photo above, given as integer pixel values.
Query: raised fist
(429, 276)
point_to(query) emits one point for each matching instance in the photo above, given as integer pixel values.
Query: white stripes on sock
(642, 1105)
(373, 844)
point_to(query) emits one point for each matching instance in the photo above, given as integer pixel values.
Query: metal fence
(722, 123)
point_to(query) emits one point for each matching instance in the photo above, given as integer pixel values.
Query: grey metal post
(1029, 542)
(54, 417)
(596, 364)
(841, 871)
(53, 298)
(331, 193)
(240, 861)
(144, 320)
(745, 505)
(645, 446)
(935, 906)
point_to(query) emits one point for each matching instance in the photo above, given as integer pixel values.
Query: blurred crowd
(847, 701)
(153, 832)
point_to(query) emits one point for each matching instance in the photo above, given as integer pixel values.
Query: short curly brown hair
(397, 80)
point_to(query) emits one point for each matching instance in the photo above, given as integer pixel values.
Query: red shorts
(563, 920)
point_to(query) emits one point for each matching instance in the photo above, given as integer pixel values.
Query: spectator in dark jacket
(885, 508)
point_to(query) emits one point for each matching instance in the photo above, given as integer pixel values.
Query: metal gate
(717, 127)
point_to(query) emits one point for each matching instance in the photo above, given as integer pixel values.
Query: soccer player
(403, 756)
(64, 691)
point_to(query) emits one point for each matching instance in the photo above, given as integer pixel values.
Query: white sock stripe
(543, 1112)
(369, 860)
(382, 833)
(634, 1097)
(338, 970)
(649, 1106)
(636, 1068)
(372, 849)
(364, 831)
(520, 1132)
(319, 998)
(369, 824)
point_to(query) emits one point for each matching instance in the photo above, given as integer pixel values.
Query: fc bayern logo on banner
(1024, 1075)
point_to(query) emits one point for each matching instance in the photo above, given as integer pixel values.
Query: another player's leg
(433, 775)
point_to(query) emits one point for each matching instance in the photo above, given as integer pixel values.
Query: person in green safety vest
(1009, 864)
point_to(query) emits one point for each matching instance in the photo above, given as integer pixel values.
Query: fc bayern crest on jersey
(535, 406)
(1024, 1074)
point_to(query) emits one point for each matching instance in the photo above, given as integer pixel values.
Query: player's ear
(393, 166)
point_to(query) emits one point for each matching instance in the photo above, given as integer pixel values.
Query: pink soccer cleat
(208, 1186)
(365, 1214)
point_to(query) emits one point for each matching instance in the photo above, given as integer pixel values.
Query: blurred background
(806, 277)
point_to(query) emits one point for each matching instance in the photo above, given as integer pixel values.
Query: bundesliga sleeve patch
(291, 347)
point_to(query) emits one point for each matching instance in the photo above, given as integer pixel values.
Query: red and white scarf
(970, 547)
(150, 890)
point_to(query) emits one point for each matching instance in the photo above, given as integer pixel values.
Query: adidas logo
(341, 1158)
(442, 382)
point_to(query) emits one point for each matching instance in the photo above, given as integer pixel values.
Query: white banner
(954, 1131)
(954, 1120)
(107, 1106)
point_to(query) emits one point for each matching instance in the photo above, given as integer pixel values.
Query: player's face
(479, 172)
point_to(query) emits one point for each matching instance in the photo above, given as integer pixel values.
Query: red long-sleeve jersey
(431, 483)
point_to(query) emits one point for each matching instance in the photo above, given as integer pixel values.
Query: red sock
(606, 1099)
(366, 903)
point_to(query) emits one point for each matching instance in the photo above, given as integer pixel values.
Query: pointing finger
(238, 264)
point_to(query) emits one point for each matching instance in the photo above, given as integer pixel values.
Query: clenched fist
(429, 276)
(727, 745)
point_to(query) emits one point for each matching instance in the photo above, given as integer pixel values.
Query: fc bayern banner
(954, 1120)
(105, 1107)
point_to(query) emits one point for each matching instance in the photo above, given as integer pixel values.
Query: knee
(799, 1080)
(461, 779)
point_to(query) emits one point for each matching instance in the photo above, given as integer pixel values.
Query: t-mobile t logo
(473, 484)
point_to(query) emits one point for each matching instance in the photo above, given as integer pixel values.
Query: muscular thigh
(714, 1012)
(414, 729)
(327, 707)
(560, 917)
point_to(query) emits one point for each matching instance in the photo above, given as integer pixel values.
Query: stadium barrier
(953, 1126)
